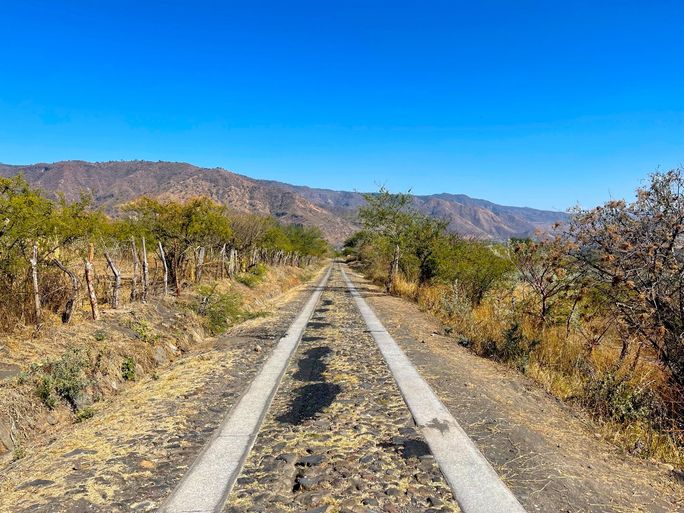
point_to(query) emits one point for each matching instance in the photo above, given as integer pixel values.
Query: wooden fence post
(223, 261)
(232, 262)
(145, 282)
(200, 264)
(36, 289)
(162, 255)
(136, 265)
(117, 281)
(90, 282)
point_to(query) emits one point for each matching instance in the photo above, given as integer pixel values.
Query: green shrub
(64, 378)
(19, 453)
(485, 347)
(128, 369)
(45, 389)
(100, 335)
(253, 276)
(219, 310)
(611, 396)
(85, 414)
(144, 331)
(516, 348)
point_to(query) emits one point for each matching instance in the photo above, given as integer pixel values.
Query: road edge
(206, 485)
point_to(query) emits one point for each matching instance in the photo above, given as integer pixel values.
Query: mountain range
(112, 184)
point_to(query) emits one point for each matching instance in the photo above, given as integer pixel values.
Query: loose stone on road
(338, 433)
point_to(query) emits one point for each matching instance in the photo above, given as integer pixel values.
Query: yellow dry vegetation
(559, 359)
(146, 336)
(115, 437)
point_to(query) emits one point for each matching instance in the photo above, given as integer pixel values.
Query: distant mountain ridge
(114, 183)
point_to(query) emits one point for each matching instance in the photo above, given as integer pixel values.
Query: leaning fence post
(117, 281)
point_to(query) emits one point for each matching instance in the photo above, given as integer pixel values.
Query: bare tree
(543, 265)
(635, 252)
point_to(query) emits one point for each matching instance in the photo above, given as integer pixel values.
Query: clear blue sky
(542, 103)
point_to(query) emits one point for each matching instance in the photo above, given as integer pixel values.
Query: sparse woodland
(57, 257)
(93, 302)
(594, 312)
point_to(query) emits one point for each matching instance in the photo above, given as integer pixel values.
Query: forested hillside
(112, 184)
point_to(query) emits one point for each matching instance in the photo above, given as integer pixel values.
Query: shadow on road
(317, 395)
(312, 365)
(311, 399)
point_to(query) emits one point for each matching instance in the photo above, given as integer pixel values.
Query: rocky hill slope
(114, 183)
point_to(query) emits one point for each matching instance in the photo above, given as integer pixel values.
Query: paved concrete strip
(475, 484)
(208, 482)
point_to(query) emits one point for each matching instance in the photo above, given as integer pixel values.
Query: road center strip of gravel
(209, 480)
(474, 482)
(338, 437)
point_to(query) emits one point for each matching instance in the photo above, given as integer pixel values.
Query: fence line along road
(207, 484)
(475, 484)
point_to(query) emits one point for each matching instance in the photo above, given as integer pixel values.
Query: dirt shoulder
(545, 451)
(136, 448)
(51, 377)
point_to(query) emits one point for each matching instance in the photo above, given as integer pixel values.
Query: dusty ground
(549, 456)
(134, 451)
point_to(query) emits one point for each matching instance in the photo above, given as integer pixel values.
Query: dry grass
(150, 406)
(405, 288)
(560, 358)
(125, 345)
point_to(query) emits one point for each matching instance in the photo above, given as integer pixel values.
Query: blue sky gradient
(536, 103)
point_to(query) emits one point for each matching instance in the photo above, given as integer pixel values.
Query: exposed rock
(311, 460)
(36, 483)
(160, 356)
(6, 442)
